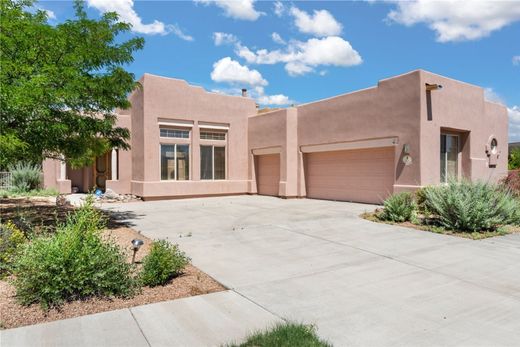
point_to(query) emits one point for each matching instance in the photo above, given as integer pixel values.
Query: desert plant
(399, 207)
(468, 206)
(164, 262)
(25, 176)
(11, 240)
(512, 183)
(74, 263)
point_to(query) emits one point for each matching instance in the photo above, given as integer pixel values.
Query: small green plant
(36, 192)
(164, 262)
(475, 207)
(25, 176)
(74, 263)
(399, 207)
(285, 335)
(11, 240)
(514, 159)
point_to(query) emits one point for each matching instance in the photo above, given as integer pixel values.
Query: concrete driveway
(361, 283)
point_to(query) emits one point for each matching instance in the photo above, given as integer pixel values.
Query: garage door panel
(352, 175)
(268, 174)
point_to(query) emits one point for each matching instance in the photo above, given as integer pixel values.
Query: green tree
(60, 85)
(514, 159)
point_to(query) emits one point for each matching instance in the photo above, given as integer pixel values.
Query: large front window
(212, 163)
(449, 157)
(175, 162)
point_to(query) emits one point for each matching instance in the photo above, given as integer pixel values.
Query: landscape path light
(136, 244)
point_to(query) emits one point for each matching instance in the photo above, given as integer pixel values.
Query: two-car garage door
(362, 175)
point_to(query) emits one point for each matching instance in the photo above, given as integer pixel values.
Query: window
(175, 162)
(174, 133)
(449, 157)
(207, 135)
(212, 163)
(494, 145)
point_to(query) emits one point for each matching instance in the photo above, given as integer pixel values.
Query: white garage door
(268, 174)
(363, 175)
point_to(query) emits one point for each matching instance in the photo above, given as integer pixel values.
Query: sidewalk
(204, 320)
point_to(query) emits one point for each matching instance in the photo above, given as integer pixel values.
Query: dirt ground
(191, 282)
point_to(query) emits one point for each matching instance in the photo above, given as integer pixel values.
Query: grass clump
(25, 176)
(164, 262)
(473, 207)
(399, 207)
(11, 240)
(20, 194)
(74, 263)
(285, 335)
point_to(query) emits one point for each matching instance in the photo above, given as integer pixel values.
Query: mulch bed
(509, 229)
(191, 282)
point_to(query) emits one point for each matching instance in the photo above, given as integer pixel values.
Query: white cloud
(50, 14)
(455, 20)
(491, 95)
(278, 39)
(279, 8)
(238, 9)
(302, 57)
(230, 71)
(126, 12)
(516, 60)
(224, 38)
(321, 23)
(278, 99)
(514, 123)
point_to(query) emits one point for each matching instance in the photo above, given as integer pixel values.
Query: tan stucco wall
(173, 99)
(461, 107)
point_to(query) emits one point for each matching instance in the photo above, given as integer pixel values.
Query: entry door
(102, 171)
(449, 157)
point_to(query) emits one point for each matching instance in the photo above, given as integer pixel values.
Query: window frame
(445, 169)
(174, 129)
(213, 132)
(213, 161)
(175, 161)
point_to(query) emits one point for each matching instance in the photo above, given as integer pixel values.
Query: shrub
(11, 240)
(399, 207)
(466, 206)
(74, 263)
(512, 183)
(25, 176)
(164, 261)
(285, 335)
(514, 159)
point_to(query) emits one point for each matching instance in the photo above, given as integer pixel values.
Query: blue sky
(296, 52)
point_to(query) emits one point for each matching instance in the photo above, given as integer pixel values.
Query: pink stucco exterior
(398, 117)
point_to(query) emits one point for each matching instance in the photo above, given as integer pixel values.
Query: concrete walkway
(205, 320)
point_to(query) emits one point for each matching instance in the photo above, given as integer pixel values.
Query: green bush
(11, 240)
(467, 206)
(514, 159)
(74, 263)
(25, 176)
(285, 335)
(399, 207)
(164, 262)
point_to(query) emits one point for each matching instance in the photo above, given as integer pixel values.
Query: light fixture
(136, 244)
(433, 86)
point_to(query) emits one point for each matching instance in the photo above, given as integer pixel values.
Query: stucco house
(409, 131)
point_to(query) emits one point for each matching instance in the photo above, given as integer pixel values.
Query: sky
(293, 52)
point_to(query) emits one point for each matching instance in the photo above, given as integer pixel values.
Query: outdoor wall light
(136, 244)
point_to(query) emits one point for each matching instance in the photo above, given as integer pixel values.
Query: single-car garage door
(268, 174)
(362, 175)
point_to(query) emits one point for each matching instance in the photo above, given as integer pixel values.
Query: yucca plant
(25, 176)
(400, 207)
(468, 206)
